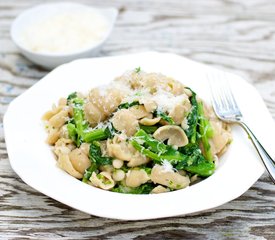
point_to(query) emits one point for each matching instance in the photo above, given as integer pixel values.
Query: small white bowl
(52, 60)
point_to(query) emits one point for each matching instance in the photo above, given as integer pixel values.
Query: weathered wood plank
(237, 36)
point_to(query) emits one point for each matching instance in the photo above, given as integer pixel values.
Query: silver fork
(226, 108)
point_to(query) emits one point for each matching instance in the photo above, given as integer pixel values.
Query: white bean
(118, 175)
(117, 163)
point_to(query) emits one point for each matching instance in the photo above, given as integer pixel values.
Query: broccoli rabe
(95, 155)
(163, 116)
(192, 119)
(127, 105)
(96, 158)
(150, 143)
(199, 128)
(142, 189)
(194, 162)
(137, 70)
(148, 129)
(88, 172)
(71, 96)
(206, 132)
(99, 134)
(77, 124)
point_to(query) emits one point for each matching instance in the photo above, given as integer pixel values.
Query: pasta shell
(175, 135)
(65, 164)
(170, 179)
(136, 177)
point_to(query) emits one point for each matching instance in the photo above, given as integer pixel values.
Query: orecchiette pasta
(93, 114)
(49, 114)
(149, 122)
(106, 100)
(180, 111)
(123, 150)
(65, 163)
(220, 138)
(102, 180)
(101, 103)
(63, 146)
(150, 105)
(85, 148)
(59, 119)
(136, 177)
(175, 135)
(79, 160)
(53, 136)
(160, 189)
(139, 111)
(125, 121)
(144, 133)
(169, 178)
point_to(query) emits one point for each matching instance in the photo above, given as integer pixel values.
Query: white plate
(32, 159)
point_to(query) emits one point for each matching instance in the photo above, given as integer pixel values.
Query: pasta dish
(143, 133)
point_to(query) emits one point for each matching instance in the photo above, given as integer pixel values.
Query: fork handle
(267, 160)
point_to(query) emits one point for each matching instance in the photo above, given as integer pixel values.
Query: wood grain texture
(237, 36)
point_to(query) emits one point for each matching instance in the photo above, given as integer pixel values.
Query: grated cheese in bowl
(55, 33)
(65, 32)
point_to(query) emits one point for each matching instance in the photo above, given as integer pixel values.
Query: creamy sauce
(65, 32)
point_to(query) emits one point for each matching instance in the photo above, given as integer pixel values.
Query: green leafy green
(189, 148)
(72, 131)
(192, 119)
(97, 134)
(148, 170)
(206, 132)
(137, 70)
(188, 158)
(150, 143)
(173, 156)
(163, 116)
(96, 157)
(199, 127)
(71, 96)
(77, 125)
(142, 189)
(100, 134)
(88, 172)
(128, 105)
(148, 129)
(196, 163)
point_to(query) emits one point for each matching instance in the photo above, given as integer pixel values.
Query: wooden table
(238, 36)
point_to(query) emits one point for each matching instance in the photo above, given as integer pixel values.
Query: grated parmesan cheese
(65, 32)
(167, 166)
(165, 101)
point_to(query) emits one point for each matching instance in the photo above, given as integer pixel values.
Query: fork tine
(223, 88)
(222, 97)
(230, 94)
(216, 90)
(215, 98)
